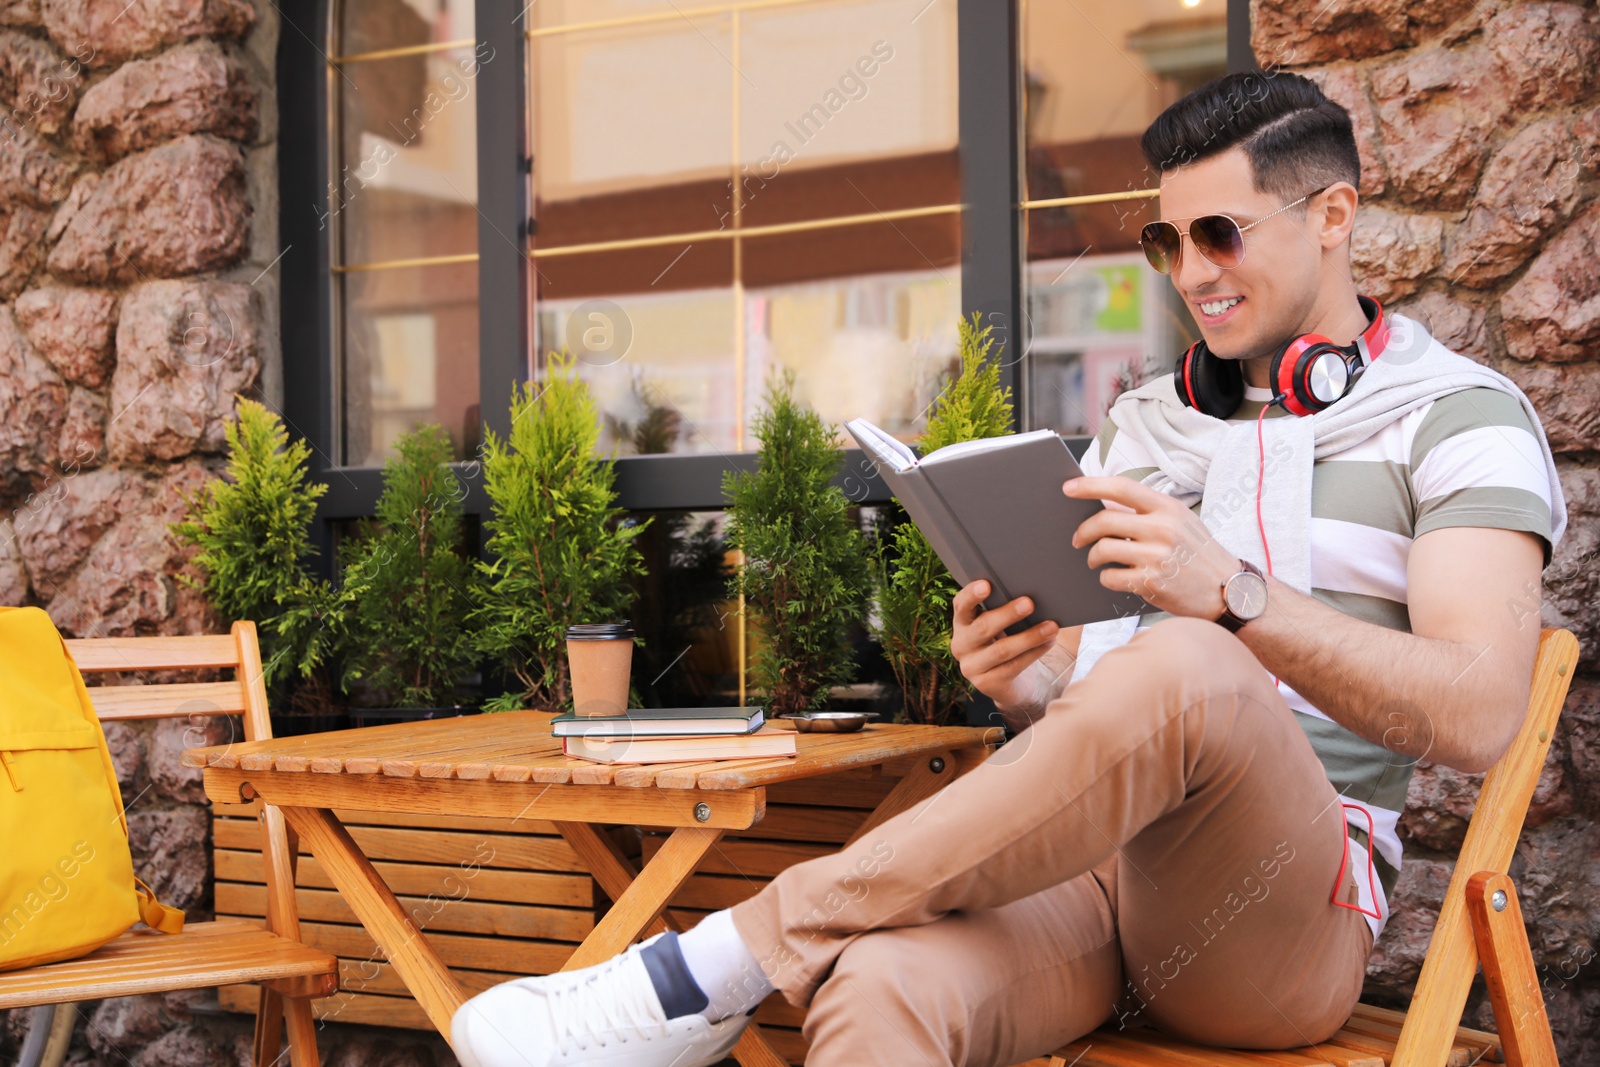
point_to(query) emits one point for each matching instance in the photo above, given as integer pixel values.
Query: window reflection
(410, 357)
(780, 148)
(402, 204)
(1097, 72)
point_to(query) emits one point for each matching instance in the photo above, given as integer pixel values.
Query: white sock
(723, 966)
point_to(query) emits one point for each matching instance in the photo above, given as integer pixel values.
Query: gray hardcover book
(994, 509)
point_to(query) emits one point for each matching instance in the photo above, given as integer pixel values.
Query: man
(1201, 828)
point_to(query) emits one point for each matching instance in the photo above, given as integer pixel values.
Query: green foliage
(915, 589)
(562, 553)
(408, 634)
(253, 529)
(805, 575)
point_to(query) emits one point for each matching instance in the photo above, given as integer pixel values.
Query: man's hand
(1166, 553)
(996, 664)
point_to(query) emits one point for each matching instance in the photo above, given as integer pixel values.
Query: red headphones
(1308, 374)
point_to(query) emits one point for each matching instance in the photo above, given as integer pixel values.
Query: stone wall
(138, 233)
(1479, 130)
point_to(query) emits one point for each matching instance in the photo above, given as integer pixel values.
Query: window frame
(991, 152)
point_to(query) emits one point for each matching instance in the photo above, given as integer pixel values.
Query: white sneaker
(606, 1014)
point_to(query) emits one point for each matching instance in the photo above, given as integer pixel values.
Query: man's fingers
(967, 600)
(1107, 523)
(999, 653)
(979, 630)
(1007, 671)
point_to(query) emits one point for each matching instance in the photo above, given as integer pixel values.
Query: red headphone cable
(1261, 478)
(1344, 861)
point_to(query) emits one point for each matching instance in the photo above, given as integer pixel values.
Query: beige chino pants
(1162, 844)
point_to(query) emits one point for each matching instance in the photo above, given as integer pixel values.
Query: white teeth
(1217, 307)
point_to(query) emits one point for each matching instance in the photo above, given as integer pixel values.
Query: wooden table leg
(418, 965)
(921, 783)
(616, 875)
(643, 899)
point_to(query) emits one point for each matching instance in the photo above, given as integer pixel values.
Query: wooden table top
(518, 746)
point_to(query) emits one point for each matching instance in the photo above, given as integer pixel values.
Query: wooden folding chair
(1480, 921)
(205, 954)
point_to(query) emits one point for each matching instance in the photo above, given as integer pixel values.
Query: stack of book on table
(672, 735)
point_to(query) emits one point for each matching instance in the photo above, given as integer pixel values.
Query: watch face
(1247, 595)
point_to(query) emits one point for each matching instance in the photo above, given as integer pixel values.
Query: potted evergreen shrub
(253, 529)
(408, 645)
(915, 590)
(804, 579)
(561, 551)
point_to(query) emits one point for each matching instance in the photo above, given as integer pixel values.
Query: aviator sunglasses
(1217, 237)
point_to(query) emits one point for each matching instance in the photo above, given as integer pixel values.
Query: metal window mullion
(306, 235)
(504, 207)
(989, 88)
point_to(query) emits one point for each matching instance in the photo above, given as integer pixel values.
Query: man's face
(1251, 309)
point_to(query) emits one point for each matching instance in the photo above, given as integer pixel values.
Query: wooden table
(509, 766)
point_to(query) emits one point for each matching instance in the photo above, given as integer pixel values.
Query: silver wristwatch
(1244, 597)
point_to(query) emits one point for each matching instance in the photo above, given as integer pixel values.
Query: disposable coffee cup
(600, 658)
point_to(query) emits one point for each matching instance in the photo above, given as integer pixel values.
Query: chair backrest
(244, 695)
(1491, 840)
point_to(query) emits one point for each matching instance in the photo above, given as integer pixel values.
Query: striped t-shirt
(1469, 458)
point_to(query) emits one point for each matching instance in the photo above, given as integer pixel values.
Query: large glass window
(725, 192)
(402, 206)
(1096, 73)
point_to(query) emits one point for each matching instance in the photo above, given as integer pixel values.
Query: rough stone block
(73, 329)
(1392, 252)
(1553, 311)
(194, 88)
(176, 209)
(111, 31)
(184, 350)
(1528, 188)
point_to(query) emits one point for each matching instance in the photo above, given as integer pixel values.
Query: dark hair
(1297, 140)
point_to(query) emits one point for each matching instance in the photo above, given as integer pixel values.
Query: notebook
(765, 742)
(648, 722)
(994, 509)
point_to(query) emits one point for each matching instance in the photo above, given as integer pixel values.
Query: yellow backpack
(66, 875)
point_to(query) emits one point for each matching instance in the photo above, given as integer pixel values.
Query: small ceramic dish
(831, 722)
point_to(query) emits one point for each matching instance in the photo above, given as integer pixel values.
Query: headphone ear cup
(1208, 384)
(1289, 371)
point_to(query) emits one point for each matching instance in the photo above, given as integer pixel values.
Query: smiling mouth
(1217, 307)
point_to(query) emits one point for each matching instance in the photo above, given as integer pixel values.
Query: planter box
(499, 899)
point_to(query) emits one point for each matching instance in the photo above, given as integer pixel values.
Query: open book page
(882, 446)
(984, 444)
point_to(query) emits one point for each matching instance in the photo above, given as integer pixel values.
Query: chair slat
(166, 701)
(223, 952)
(153, 653)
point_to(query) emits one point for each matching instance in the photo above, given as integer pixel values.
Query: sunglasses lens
(1160, 242)
(1217, 237)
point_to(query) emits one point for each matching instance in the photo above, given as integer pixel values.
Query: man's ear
(1338, 214)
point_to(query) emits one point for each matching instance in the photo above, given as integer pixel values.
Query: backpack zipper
(5, 760)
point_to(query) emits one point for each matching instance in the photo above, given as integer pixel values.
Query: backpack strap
(155, 914)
